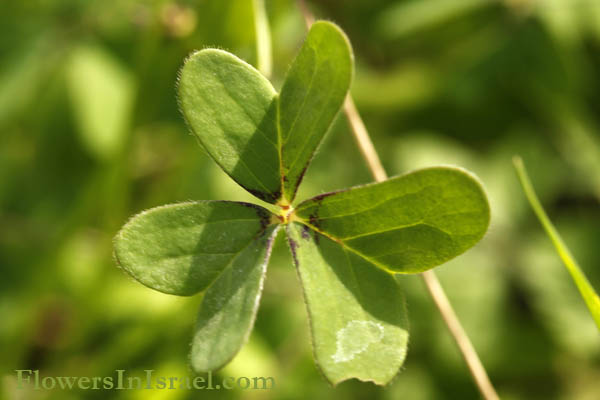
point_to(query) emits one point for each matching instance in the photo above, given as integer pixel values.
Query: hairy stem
(263, 38)
(430, 278)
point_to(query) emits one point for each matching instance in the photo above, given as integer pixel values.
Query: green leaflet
(229, 306)
(357, 313)
(407, 224)
(265, 142)
(182, 248)
(232, 109)
(591, 298)
(313, 92)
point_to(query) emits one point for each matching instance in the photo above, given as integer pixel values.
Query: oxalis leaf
(182, 248)
(407, 224)
(357, 314)
(263, 140)
(345, 244)
(230, 304)
(312, 94)
(186, 248)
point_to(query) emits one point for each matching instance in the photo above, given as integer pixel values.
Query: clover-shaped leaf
(346, 245)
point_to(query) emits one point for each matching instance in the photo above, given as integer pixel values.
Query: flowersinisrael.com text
(32, 379)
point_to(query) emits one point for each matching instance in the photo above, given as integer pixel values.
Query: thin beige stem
(363, 140)
(434, 287)
(460, 336)
(308, 16)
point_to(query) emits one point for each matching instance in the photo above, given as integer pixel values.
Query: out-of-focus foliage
(436, 83)
(586, 290)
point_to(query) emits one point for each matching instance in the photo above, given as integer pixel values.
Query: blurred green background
(91, 134)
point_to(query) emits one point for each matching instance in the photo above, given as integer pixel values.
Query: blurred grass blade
(585, 288)
(407, 17)
(357, 314)
(263, 38)
(102, 92)
(21, 76)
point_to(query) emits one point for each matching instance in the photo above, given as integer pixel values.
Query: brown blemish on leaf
(293, 247)
(286, 179)
(305, 232)
(300, 177)
(264, 215)
(268, 197)
(314, 219)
